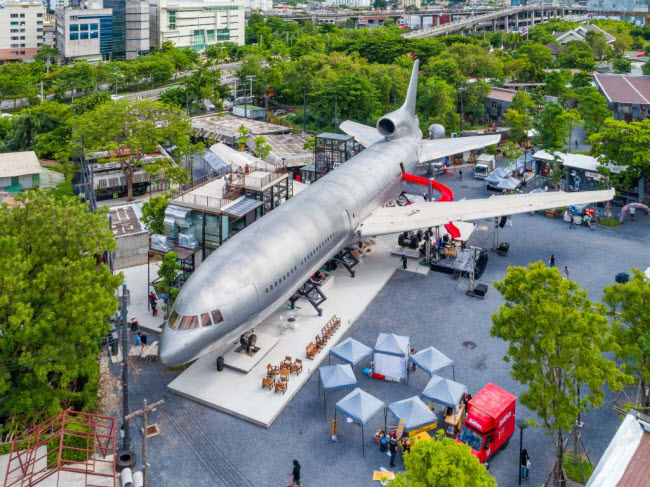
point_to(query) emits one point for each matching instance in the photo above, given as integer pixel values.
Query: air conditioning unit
(187, 241)
(159, 242)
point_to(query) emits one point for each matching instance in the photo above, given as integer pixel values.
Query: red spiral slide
(447, 193)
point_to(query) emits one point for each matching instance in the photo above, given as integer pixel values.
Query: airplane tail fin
(411, 94)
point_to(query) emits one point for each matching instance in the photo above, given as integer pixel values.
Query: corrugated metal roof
(637, 473)
(499, 94)
(14, 164)
(620, 88)
(241, 207)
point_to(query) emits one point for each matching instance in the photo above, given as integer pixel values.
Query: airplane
(257, 270)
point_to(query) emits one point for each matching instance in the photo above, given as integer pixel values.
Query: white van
(485, 164)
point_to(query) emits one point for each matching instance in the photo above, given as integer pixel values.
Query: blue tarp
(392, 344)
(413, 411)
(444, 391)
(431, 360)
(360, 406)
(337, 377)
(351, 351)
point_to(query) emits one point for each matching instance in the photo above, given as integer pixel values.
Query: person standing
(572, 221)
(460, 174)
(404, 260)
(525, 464)
(566, 272)
(392, 448)
(295, 475)
(632, 212)
(551, 261)
(576, 143)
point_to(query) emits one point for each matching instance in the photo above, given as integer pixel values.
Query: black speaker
(502, 222)
(480, 290)
(220, 364)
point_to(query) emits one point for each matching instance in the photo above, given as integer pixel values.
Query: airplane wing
(417, 216)
(365, 135)
(439, 148)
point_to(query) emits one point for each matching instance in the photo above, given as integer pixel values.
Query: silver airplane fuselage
(257, 270)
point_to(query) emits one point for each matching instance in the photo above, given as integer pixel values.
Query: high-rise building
(636, 11)
(137, 28)
(261, 5)
(197, 24)
(84, 34)
(21, 30)
(118, 7)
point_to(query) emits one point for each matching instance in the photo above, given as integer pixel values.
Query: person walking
(392, 448)
(572, 221)
(551, 261)
(566, 272)
(576, 143)
(460, 174)
(404, 260)
(632, 212)
(525, 464)
(295, 475)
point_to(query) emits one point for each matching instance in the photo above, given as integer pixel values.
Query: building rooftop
(329, 135)
(622, 88)
(286, 145)
(125, 220)
(225, 127)
(578, 161)
(502, 94)
(14, 164)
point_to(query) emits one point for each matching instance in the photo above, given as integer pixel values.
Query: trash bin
(502, 249)
(113, 343)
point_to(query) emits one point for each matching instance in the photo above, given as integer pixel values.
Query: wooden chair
(286, 363)
(268, 382)
(284, 375)
(297, 366)
(272, 370)
(281, 387)
(319, 343)
(311, 351)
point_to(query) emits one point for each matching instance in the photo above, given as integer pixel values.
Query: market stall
(415, 413)
(351, 351)
(360, 407)
(450, 394)
(390, 357)
(431, 360)
(508, 184)
(334, 377)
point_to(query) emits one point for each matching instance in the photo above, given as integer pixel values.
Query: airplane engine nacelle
(396, 124)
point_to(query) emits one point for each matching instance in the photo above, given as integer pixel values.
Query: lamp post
(522, 426)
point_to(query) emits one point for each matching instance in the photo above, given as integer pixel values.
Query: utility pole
(115, 73)
(126, 441)
(304, 110)
(336, 115)
(145, 424)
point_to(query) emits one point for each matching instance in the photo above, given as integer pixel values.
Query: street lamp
(521, 424)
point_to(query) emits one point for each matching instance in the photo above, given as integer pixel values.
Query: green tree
(523, 103)
(153, 213)
(55, 301)
(576, 54)
(437, 102)
(130, 129)
(593, 108)
(628, 305)
(550, 126)
(47, 54)
(473, 98)
(581, 79)
(598, 43)
(90, 102)
(442, 462)
(625, 146)
(556, 339)
(557, 81)
(622, 66)
(168, 274)
(243, 137)
(571, 120)
(519, 124)
(262, 148)
(646, 68)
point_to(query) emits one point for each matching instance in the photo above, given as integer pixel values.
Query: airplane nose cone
(174, 350)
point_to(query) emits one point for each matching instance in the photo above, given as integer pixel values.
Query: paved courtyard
(200, 447)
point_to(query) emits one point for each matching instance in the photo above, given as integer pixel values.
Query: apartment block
(21, 30)
(85, 34)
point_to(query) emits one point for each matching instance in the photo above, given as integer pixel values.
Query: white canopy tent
(444, 391)
(361, 407)
(391, 355)
(508, 184)
(413, 411)
(431, 360)
(351, 351)
(334, 377)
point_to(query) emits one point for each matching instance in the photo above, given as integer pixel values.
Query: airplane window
(173, 319)
(205, 319)
(216, 316)
(189, 323)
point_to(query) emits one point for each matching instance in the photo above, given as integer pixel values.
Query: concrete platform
(242, 395)
(240, 362)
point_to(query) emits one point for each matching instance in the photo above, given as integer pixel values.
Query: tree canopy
(55, 300)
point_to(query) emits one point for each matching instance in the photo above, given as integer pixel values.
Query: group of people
(551, 263)
(585, 217)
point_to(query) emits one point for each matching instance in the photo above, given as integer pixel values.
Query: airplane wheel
(252, 339)
(400, 240)
(419, 235)
(220, 363)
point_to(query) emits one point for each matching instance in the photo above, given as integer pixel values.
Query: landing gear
(347, 259)
(248, 340)
(312, 292)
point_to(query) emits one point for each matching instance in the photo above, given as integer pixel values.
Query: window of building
(94, 26)
(15, 38)
(14, 31)
(74, 27)
(23, 45)
(22, 16)
(94, 35)
(22, 52)
(15, 45)
(83, 26)
(14, 23)
(74, 37)
(83, 35)
(39, 15)
(22, 38)
(172, 19)
(223, 34)
(14, 16)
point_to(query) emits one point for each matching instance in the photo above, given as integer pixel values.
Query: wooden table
(453, 421)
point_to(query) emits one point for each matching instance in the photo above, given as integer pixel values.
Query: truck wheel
(505, 444)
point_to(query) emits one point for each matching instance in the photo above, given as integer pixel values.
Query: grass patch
(574, 471)
(609, 222)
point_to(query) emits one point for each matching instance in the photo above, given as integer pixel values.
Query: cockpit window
(205, 319)
(189, 323)
(216, 316)
(173, 319)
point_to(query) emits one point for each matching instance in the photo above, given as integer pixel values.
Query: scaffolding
(74, 446)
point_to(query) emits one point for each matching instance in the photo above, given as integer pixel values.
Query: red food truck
(490, 421)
